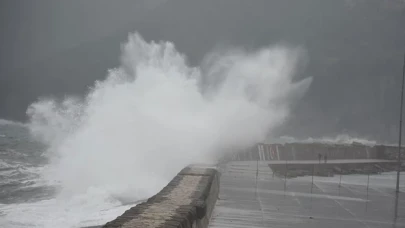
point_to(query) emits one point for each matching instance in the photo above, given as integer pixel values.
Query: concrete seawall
(189, 198)
(294, 169)
(352, 158)
(310, 151)
(187, 201)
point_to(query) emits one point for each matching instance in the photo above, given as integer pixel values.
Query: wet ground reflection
(311, 201)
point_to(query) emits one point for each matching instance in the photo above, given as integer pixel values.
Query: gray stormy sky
(355, 48)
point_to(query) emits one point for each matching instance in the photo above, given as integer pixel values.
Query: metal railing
(367, 186)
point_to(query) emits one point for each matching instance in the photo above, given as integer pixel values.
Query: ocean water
(27, 199)
(84, 161)
(21, 162)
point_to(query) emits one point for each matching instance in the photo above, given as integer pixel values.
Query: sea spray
(155, 114)
(4, 122)
(336, 139)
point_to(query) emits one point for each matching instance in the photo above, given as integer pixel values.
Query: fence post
(285, 176)
(257, 170)
(312, 181)
(313, 170)
(368, 181)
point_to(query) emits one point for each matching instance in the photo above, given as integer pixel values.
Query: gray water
(21, 162)
(29, 199)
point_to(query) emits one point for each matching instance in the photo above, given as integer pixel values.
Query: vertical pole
(396, 207)
(313, 170)
(400, 127)
(368, 181)
(312, 181)
(285, 176)
(340, 179)
(257, 165)
(257, 170)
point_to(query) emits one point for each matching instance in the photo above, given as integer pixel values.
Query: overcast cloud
(355, 50)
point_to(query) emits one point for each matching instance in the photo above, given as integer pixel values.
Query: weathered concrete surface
(268, 201)
(187, 201)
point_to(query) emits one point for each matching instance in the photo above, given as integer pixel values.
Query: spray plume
(154, 115)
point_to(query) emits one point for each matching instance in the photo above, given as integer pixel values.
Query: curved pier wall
(187, 201)
(310, 151)
(390, 152)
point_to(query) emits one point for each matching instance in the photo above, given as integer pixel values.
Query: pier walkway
(251, 196)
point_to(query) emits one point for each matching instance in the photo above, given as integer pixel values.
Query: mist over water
(155, 114)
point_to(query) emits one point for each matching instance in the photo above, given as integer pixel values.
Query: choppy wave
(94, 207)
(152, 115)
(148, 119)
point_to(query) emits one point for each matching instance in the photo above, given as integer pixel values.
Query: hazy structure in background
(354, 51)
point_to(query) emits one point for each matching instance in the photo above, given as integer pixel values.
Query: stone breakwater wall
(390, 152)
(330, 169)
(187, 201)
(310, 151)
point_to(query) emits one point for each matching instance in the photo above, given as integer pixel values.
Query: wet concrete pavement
(269, 201)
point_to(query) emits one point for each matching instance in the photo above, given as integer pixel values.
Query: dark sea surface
(29, 199)
(21, 162)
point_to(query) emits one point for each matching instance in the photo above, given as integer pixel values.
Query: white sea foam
(338, 139)
(9, 122)
(148, 119)
(94, 207)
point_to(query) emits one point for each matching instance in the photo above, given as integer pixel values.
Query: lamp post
(400, 127)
